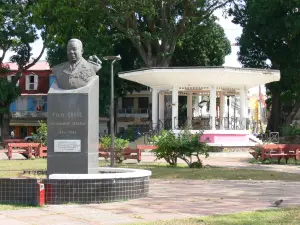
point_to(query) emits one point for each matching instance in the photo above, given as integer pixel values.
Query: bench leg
(9, 153)
(29, 152)
(139, 155)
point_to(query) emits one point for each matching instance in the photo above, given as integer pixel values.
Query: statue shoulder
(59, 67)
(93, 65)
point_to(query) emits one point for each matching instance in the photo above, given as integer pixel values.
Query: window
(31, 82)
(128, 103)
(143, 102)
(10, 77)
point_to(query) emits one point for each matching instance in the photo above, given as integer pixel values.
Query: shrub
(184, 146)
(120, 144)
(257, 151)
(41, 135)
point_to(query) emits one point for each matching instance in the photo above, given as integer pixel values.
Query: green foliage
(184, 145)
(271, 31)
(290, 130)
(119, 144)
(41, 135)
(8, 94)
(202, 45)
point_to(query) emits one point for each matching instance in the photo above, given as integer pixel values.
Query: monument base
(73, 129)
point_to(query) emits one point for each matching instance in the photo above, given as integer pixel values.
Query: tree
(271, 31)
(94, 25)
(17, 32)
(153, 27)
(202, 45)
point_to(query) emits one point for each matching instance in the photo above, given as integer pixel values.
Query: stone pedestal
(73, 129)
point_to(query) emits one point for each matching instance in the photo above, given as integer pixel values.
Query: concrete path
(167, 200)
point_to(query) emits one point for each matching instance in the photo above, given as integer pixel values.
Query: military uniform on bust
(77, 76)
(77, 72)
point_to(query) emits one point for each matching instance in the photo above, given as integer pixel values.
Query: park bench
(25, 149)
(146, 147)
(280, 151)
(7, 141)
(41, 151)
(128, 153)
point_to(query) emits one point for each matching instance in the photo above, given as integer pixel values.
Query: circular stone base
(110, 184)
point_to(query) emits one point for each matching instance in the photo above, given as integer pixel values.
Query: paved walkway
(167, 200)
(172, 199)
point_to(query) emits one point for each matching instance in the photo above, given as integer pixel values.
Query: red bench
(41, 151)
(146, 147)
(280, 151)
(25, 149)
(7, 141)
(128, 153)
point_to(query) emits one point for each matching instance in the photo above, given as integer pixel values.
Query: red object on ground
(40, 194)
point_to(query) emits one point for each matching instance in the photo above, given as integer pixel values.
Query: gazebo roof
(201, 77)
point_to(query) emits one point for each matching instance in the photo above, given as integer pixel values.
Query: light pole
(112, 133)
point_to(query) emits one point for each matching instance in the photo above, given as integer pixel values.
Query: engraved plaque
(67, 145)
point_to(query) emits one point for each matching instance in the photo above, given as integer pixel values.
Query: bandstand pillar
(212, 107)
(221, 115)
(189, 109)
(174, 108)
(161, 113)
(196, 106)
(243, 100)
(154, 108)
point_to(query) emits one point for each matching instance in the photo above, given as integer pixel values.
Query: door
(23, 132)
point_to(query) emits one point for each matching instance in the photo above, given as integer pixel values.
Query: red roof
(39, 66)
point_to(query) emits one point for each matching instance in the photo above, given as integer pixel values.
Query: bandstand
(217, 84)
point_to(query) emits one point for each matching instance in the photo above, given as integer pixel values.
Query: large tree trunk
(1, 127)
(291, 116)
(274, 121)
(4, 126)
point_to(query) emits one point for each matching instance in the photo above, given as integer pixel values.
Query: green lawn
(288, 216)
(15, 207)
(13, 168)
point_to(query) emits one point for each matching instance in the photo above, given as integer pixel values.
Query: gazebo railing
(205, 123)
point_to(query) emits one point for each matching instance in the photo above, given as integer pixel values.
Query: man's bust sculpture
(77, 72)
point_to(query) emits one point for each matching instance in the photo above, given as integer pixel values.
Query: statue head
(74, 50)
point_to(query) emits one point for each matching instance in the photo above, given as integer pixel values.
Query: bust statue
(77, 72)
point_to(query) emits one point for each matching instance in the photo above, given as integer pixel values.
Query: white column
(189, 109)
(200, 109)
(154, 108)
(222, 99)
(243, 107)
(212, 107)
(174, 108)
(161, 113)
(196, 106)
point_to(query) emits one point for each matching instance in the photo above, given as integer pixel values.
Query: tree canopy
(153, 27)
(93, 23)
(271, 31)
(17, 32)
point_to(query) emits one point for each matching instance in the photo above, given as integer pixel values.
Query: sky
(232, 32)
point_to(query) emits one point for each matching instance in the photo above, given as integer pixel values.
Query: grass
(4, 207)
(162, 171)
(13, 168)
(287, 216)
